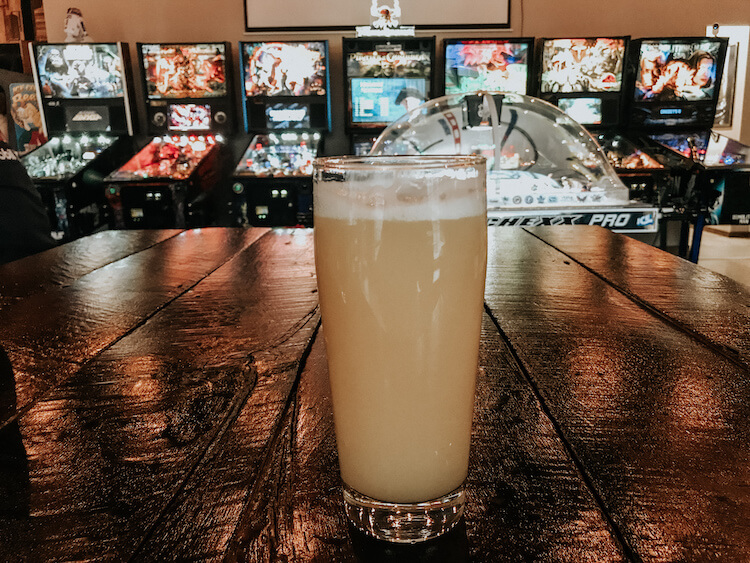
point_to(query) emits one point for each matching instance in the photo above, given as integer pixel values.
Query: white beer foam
(403, 199)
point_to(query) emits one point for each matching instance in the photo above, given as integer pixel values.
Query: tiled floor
(727, 255)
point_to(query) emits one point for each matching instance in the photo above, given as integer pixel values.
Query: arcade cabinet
(286, 107)
(171, 182)
(383, 79)
(672, 106)
(587, 79)
(85, 97)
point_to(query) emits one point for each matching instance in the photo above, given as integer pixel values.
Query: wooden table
(170, 403)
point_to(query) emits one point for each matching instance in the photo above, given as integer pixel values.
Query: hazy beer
(400, 250)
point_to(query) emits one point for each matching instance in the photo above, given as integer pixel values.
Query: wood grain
(49, 334)
(68, 262)
(115, 454)
(710, 305)
(263, 303)
(525, 496)
(171, 403)
(655, 419)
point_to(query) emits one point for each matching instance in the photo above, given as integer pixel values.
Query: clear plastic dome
(537, 156)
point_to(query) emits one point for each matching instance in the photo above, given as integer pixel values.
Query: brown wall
(224, 20)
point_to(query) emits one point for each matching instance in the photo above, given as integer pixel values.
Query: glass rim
(395, 162)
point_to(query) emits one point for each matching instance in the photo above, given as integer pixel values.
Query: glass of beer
(400, 254)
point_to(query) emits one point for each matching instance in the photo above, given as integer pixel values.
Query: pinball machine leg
(682, 249)
(695, 246)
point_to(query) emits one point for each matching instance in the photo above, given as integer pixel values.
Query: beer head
(402, 188)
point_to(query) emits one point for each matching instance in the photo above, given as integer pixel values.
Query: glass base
(404, 522)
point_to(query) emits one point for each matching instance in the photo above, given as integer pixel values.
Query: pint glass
(400, 255)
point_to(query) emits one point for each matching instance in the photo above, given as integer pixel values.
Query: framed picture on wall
(303, 15)
(27, 119)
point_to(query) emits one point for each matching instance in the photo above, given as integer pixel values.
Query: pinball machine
(172, 180)
(85, 97)
(384, 78)
(286, 107)
(587, 79)
(671, 109)
(722, 180)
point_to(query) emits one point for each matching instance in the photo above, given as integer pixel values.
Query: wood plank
(112, 453)
(278, 302)
(526, 499)
(699, 300)
(48, 335)
(63, 264)
(657, 421)
(302, 467)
